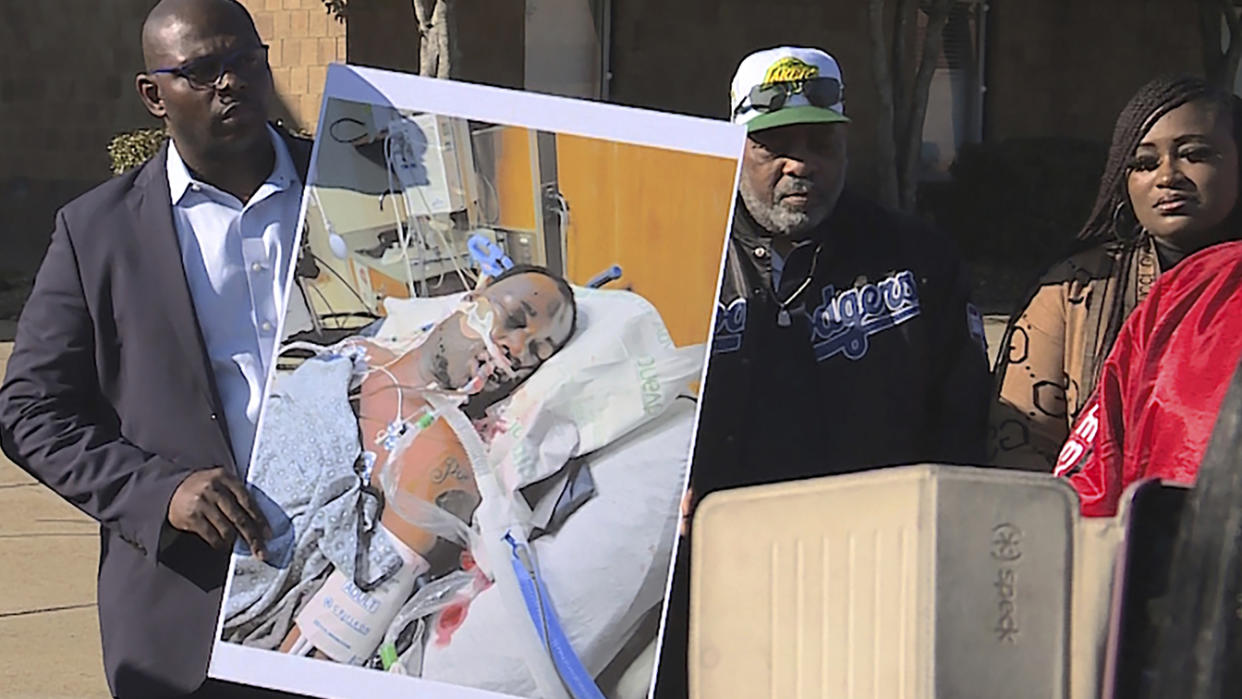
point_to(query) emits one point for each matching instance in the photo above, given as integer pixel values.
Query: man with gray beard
(844, 336)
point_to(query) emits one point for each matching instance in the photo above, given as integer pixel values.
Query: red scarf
(1154, 407)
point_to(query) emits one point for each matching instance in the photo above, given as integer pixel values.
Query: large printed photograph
(476, 436)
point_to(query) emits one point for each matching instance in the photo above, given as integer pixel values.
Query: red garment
(1155, 405)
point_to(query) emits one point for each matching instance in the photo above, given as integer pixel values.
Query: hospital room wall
(659, 214)
(514, 191)
(329, 292)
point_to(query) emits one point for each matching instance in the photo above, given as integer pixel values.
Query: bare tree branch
(886, 145)
(425, 11)
(450, 46)
(911, 145)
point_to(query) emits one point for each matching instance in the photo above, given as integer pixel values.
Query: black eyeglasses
(821, 92)
(206, 72)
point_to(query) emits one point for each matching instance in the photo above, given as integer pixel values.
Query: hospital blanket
(305, 461)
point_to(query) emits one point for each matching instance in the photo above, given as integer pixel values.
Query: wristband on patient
(347, 624)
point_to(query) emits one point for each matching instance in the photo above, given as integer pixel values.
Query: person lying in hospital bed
(478, 355)
(594, 444)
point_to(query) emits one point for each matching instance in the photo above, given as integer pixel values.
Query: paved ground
(49, 633)
(994, 331)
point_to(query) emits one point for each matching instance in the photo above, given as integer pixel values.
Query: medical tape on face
(481, 322)
(347, 624)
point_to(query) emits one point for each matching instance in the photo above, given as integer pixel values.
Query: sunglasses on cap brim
(769, 97)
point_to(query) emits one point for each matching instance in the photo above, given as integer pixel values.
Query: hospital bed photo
(555, 583)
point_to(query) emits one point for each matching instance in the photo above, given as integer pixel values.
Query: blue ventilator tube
(611, 274)
(539, 605)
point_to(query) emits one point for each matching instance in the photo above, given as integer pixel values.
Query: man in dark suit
(140, 357)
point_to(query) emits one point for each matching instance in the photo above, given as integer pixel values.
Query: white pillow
(619, 370)
(605, 568)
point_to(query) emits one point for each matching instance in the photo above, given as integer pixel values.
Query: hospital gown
(305, 465)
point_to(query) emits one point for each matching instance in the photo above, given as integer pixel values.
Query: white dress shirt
(236, 258)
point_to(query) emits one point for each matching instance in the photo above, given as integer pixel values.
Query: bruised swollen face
(530, 320)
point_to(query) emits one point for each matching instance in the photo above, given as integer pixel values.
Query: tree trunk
(1228, 71)
(1209, 34)
(883, 74)
(911, 143)
(440, 30)
(435, 45)
(1220, 66)
(902, 68)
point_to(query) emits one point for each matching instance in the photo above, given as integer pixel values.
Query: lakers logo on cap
(788, 70)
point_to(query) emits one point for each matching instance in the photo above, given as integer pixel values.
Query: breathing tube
(497, 543)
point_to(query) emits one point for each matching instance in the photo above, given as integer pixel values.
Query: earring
(1125, 225)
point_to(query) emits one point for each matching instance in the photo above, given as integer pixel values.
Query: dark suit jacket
(110, 401)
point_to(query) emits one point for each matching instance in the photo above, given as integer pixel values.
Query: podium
(921, 582)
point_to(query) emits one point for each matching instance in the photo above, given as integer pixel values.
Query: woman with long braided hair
(1169, 189)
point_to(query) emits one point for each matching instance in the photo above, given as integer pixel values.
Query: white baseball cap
(787, 85)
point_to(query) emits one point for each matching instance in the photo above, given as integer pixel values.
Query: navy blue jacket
(110, 401)
(883, 361)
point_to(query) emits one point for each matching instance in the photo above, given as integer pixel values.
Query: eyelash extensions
(1194, 154)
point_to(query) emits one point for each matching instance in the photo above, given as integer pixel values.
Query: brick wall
(67, 86)
(304, 40)
(59, 107)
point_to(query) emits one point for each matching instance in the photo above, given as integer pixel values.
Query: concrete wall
(1054, 67)
(1065, 68)
(680, 56)
(488, 35)
(562, 48)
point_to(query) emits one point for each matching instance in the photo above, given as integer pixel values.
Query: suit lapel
(159, 252)
(299, 152)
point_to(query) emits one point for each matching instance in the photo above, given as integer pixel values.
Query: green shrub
(337, 8)
(133, 148)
